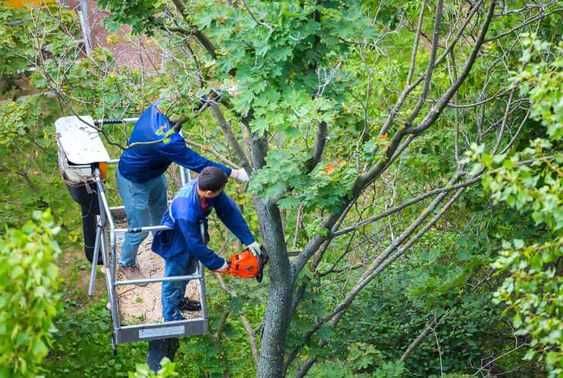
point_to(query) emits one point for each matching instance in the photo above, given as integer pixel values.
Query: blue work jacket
(143, 161)
(185, 216)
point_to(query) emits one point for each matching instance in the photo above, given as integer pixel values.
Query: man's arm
(229, 213)
(191, 233)
(179, 153)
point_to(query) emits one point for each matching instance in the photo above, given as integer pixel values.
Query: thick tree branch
(201, 38)
(320, 143)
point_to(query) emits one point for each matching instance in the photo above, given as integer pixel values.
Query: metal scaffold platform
(135, 305)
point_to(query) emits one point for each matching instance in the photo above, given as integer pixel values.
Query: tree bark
(276, 320)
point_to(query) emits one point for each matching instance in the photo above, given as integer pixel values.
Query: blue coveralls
(182, 246)
(140, 179)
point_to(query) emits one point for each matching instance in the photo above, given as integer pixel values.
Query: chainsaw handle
(263, 261)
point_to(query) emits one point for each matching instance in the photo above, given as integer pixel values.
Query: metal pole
(85, 24)
(153, 280)
(109, 258)
(142, 229)
(92, 285)
(202, 297)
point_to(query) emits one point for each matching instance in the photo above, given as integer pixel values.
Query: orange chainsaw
(246, 265)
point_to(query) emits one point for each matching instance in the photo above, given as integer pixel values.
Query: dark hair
(212, 178)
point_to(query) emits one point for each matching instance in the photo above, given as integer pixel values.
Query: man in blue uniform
(154, 144)
(184, 245)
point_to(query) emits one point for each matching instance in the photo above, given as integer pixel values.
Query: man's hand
(240, 175)
(223, 268)
(255, 248)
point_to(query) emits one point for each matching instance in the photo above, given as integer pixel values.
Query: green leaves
(530, 181)
(28, 294)
(541, 79)
(362, 356)
(284, 179)
(167, 370)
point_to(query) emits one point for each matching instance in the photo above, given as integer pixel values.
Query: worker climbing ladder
(84, 158)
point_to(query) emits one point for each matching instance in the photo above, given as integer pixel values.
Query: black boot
(187, 304)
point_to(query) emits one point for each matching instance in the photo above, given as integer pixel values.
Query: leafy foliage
(28, 295)
(167, 370)
(530, 182)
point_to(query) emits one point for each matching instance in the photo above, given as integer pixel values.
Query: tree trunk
(276, 320)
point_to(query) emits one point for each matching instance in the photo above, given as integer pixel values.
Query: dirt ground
(142, 304)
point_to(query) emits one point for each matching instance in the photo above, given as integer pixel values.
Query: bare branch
(380, 262)
(415, 43)
(306, 367)
(513, 139)
(499, 357)
(377, 268)
(481, 102)
(504, 119)
(409, 88)
(218, 156)
(224, 125)
(406, 204)
(412, 346)
(245, 323)
(431, 63)
(523, 24)
(258, 22)
(437, 109)
(251, 338)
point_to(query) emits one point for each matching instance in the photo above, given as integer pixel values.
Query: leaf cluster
(28, 295)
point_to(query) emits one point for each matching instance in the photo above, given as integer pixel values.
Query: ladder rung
(152, 280)
(142, 229)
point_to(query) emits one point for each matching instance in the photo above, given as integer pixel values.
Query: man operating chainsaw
(185, 244)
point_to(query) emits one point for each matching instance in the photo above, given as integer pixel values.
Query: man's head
(210, 182)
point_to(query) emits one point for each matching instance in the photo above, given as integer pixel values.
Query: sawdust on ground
(142, 304)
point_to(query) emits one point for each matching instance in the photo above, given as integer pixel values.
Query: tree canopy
(405, 169)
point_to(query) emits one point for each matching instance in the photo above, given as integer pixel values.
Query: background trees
(361, 123)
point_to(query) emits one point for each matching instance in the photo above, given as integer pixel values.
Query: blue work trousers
(173, 291)
(145, 205)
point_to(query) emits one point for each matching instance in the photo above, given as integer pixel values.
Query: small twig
(439, 352)
(258, 22)
(499, 357)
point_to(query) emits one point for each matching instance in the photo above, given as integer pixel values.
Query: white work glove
(240, 175)
(255, 248)
(223, 268)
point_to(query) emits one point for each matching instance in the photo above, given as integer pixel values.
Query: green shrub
(28, 295)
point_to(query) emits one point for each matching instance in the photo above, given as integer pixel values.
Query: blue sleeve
(197, 248)
(229, 213)
(179, 153)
